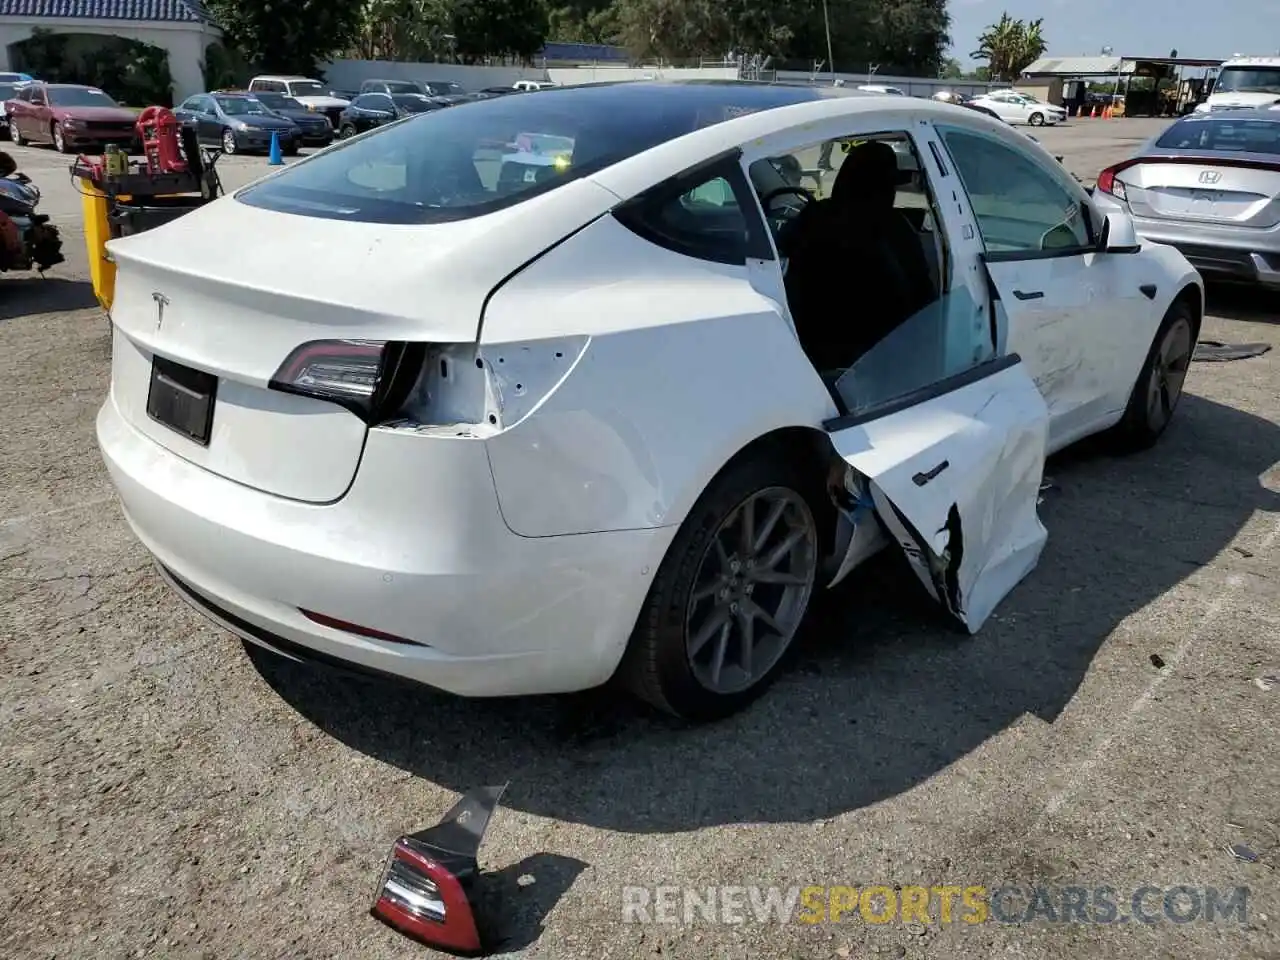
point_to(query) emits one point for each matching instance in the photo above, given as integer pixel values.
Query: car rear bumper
(491, 613)
(262, 141)
(1246, 256)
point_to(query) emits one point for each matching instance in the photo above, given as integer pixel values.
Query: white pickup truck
(311, 93)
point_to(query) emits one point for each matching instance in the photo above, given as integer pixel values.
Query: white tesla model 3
(516, 396)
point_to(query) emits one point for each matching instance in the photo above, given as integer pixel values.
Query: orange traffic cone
(1094, 114)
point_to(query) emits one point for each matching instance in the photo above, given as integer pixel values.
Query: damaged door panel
(954, 473)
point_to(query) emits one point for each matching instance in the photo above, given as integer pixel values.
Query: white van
(1245, 82)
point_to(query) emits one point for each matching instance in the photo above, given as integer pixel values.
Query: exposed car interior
(862, 256)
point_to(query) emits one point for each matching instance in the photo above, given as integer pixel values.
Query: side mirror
(1118, 234)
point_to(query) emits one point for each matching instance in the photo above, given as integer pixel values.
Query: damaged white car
(435, 404)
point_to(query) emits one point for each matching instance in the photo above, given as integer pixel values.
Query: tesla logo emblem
(464, 816)
(161, 302)
(1210, 176)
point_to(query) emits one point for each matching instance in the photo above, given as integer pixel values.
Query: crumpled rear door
(954, 472)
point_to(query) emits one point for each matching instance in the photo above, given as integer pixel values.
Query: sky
(1133, 28)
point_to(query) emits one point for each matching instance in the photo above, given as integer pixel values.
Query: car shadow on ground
(1240, 302)
(24, 296)
(881, 696)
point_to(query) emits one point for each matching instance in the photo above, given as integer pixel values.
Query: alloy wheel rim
(751, 590)
(58, 142)
(1168, 374)
(228, 142)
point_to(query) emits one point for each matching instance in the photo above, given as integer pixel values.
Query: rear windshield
(413, 102)
(401, 86)
(1223, 135)
(476, 158)
(241, 106)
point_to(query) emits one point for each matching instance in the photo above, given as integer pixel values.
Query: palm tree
(1009, 46)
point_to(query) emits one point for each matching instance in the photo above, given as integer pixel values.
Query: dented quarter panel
(725, 370)
(955, 480)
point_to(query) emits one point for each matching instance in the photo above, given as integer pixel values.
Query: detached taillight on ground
(426, 889)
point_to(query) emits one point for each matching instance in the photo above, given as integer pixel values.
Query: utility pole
(826, 22)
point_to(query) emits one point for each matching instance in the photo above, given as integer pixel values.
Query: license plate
(182, 399)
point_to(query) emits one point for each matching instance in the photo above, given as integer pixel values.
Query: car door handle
(1033, 295)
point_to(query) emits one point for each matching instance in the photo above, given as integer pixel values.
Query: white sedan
(1014, 107)
(425, 405)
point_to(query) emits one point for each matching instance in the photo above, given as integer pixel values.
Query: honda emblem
(1210, 176)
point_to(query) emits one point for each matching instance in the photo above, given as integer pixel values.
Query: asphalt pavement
(164, 793)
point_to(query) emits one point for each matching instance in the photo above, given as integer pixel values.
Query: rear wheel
(1036, 119)
(731, 593)
(1159, 386)
(228, 141)
(346, 131)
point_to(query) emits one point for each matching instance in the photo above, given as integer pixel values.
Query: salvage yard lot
(164, 794)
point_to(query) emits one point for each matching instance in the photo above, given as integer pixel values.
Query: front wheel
(1036, 119)
(59, 139)
(228, 142)
(1159, 386)
(731, 593)
(15, 134)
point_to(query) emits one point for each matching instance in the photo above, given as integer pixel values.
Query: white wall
(913, 86)
(570, 76)
(349, 74)
(185, 43)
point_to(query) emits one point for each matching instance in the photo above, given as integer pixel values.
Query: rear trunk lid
(1210, 190)
(231, 290)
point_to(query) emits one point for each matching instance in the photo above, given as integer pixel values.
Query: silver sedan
(1210, 186)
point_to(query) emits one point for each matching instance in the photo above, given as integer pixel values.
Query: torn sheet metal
(955, 480)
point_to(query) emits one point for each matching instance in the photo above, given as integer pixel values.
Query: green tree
(289, 37)
(951, 69)
(582, 21)
(404, 30)
(1009, 46)
(499, 28)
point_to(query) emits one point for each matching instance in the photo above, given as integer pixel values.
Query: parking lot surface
(165, 793)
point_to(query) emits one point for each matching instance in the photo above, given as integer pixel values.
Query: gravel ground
(163, 793)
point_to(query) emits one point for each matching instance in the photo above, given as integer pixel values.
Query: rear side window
(707, 214)
(1223, 134)
(480, 157)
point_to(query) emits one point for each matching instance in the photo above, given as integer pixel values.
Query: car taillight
(422, 899)
(365, 376)
(1109, 181)
(427, 879)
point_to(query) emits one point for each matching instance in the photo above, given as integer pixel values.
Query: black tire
(1036, 119)
(657, 666)
(228, 141)
(59, 141)
(346, 132)
(1141, 427)
(15, 134)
